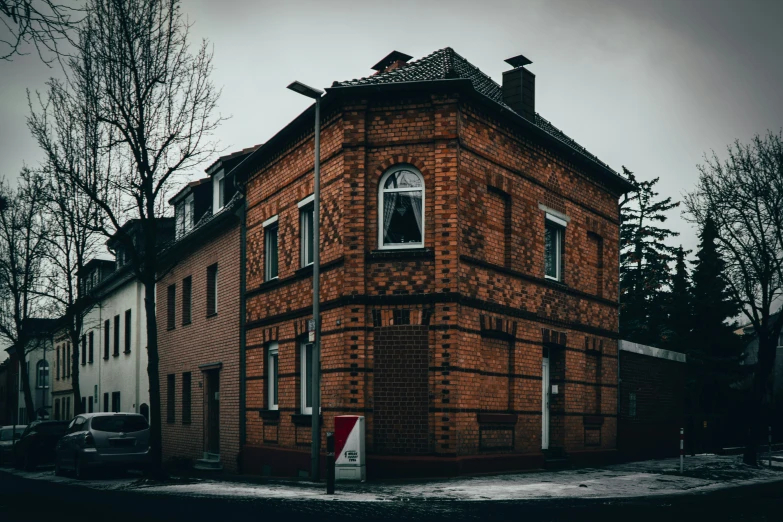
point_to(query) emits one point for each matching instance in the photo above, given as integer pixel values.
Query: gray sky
(650, 85)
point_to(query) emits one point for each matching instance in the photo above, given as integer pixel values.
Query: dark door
(213, 411)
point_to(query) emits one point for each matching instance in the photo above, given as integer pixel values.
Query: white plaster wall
(42, 397)
(125, 373)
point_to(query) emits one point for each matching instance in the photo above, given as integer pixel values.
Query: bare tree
(43, 23)
(154, 104)
(744, 196)
(23, 280)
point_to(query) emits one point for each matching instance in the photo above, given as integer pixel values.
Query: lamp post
(315, 386)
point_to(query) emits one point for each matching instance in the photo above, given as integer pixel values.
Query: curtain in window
(389, 204)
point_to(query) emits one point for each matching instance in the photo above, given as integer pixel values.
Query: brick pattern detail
(401, 390)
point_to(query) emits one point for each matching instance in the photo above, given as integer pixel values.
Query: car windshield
(8, 434)
(119, 423)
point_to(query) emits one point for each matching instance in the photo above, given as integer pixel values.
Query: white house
(113, 346)
(39, 360)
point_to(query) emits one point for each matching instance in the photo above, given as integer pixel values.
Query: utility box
(349, 448)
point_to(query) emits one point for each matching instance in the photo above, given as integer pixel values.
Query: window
(84, 405)
(170, 384)
(127, 331)
(106, 402)
(401, 209)
(171, 303)
(89, 404)
(186, 398)
(183, 214)
(57, 367)
(115, 402)
(270, 249)
(57, 409)
(218, 192)
(92, 347)
(69, 361)
(554, 238)
(307, 378)
(106, 338)
(67, 408)
(632, 404)
(43, 374)
(212, 289)
(84, 349)
(116, 336)
(187, 289)
(272, 373)
(306, 231)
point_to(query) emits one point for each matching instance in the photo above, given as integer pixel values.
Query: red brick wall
(206, 340)
(483, 256)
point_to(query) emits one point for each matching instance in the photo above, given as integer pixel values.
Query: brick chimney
(393, 60)
(519, 88)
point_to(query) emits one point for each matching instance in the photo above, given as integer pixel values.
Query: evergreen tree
(680, 313)
(644, 262)
(715, 349)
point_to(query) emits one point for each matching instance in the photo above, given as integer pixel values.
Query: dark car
(104, 440)
(38, 443)
(8, 437)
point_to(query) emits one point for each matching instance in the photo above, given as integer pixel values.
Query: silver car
(103, 440)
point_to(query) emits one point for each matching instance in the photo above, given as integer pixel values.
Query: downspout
(137, 343)
(242, 310)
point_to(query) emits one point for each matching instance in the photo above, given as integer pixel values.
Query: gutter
(242, 214)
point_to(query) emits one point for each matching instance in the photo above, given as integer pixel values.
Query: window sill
(400, 253)
(127, 352)
(593, 420)
(106, 358)
(117, 354)
(212, 315)
(187, 324)
(497, 418)
(269, 415)
(170, 328)
(270, 283)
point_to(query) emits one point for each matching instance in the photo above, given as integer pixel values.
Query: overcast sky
(649, 85)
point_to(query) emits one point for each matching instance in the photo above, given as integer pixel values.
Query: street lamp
(315, 386)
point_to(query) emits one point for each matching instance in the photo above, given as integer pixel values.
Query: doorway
(545, 403)
(212, 416)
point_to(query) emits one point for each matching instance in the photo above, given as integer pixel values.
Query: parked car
(9, 435)
(37, 443)
(104, 440)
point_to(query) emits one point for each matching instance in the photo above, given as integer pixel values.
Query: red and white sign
(349, 447)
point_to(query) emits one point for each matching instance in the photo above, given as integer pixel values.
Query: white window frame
(304, 230)
(381, 192)
(265, 225)
(42, 370)
(306, 410)
(273, 377)
(217, 204)
(558, 224)
(215, 290)
(188, 218)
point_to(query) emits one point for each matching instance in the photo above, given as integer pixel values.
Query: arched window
(401, 208)
(43, 374)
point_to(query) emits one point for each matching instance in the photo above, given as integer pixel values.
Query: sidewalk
(638, 479)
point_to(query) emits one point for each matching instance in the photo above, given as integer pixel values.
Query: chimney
(519, 88)
(394, 60)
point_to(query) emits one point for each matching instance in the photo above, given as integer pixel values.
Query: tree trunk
(75, 328)
(24, 375)
(156, 435)
(757, 413)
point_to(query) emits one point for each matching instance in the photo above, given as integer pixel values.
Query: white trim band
(270, 221)
(555, 216)
(306, 201)
(650, 351)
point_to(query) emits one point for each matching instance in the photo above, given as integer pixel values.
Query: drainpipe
(242, 310)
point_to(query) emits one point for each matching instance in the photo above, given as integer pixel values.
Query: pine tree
(644, 262)
(680, 310)
(715, 349)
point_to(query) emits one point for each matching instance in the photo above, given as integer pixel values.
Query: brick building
(199, 322)
(469, 254)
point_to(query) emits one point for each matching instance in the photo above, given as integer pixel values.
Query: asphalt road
(30, 500)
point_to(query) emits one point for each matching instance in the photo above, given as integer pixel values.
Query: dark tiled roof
(447, 64)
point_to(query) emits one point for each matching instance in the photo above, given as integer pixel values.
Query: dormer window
(219, 192)
(183, 214)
